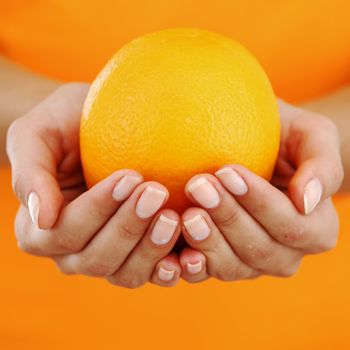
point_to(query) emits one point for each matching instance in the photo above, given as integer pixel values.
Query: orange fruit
(179, 102)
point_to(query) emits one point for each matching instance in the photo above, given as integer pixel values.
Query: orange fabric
(303, 45)
(43, 309)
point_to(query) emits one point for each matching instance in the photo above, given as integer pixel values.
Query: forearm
(20, 90)
(337, 107)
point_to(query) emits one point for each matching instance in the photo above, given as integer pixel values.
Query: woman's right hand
(117, 229)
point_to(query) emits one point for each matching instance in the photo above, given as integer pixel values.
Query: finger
(157, 243)
(201, 234)
(277, 214)
(33, 163)
(316, 155)
(109, 248)
(193, 265)
(248, 239)
(80, 219)
(167, 271)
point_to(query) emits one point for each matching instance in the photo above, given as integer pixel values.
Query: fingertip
(196, 225)
(167, 272)
(44, 201)
(231, 178)
(192, 260)
(193, 265)
(125, 183)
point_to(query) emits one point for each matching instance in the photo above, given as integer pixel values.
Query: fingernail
(163, 230)
(194, 268)
(312, 195)
(232, 181)
(33, 206)
(150, 201)
(166, 275)
(124, 187)
(204, 193)
(197, 227)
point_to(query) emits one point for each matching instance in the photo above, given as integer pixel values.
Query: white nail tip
(195, 184)
(168, 221)
(312, 195)
(194, 268)
(124, 187)
(232, 181)
(166, 275)
(224, 171)
(192, 221)
(197, 228)
(33, 206)
(151, 189)
(145, 208)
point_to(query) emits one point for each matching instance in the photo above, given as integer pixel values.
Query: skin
(262, 232)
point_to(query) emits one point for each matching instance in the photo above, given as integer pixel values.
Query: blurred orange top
(303, 45)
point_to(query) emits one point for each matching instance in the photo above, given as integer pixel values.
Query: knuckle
(290, 270)
(128, 234)
(259, 254)
(96, 267)
(295, 234)
(229, 220)
(126, 281)
(64, 269)
(68, 243)
(227, 272)
(329, 243)
(327, 237)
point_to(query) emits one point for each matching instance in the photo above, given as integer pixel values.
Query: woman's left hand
(244, 226)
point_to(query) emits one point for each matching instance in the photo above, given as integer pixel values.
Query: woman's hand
(247, 227)
(117, 229)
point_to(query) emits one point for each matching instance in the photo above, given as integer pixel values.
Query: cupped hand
(118, 229)
(247, 227)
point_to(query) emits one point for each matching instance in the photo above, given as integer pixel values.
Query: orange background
(305, 48)
(304, 45)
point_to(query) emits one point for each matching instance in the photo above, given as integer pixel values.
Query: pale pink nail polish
(150, 202)
(163, 230)
(197, 228)
(312, 195)
(124, 187)
(232, 181)
(204, 193)
(166, 275)
(34, 207)
(194, 268)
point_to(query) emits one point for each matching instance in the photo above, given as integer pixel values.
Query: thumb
(316, 155)
(34, 164)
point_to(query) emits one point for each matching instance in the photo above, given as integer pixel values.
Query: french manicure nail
(197, 227)
(124, 187)
(312, 195)
(163, 230)
(194, 268)
(204, 193)
(166, 275)
(34, 206)
(232, 181)
(150, 202)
